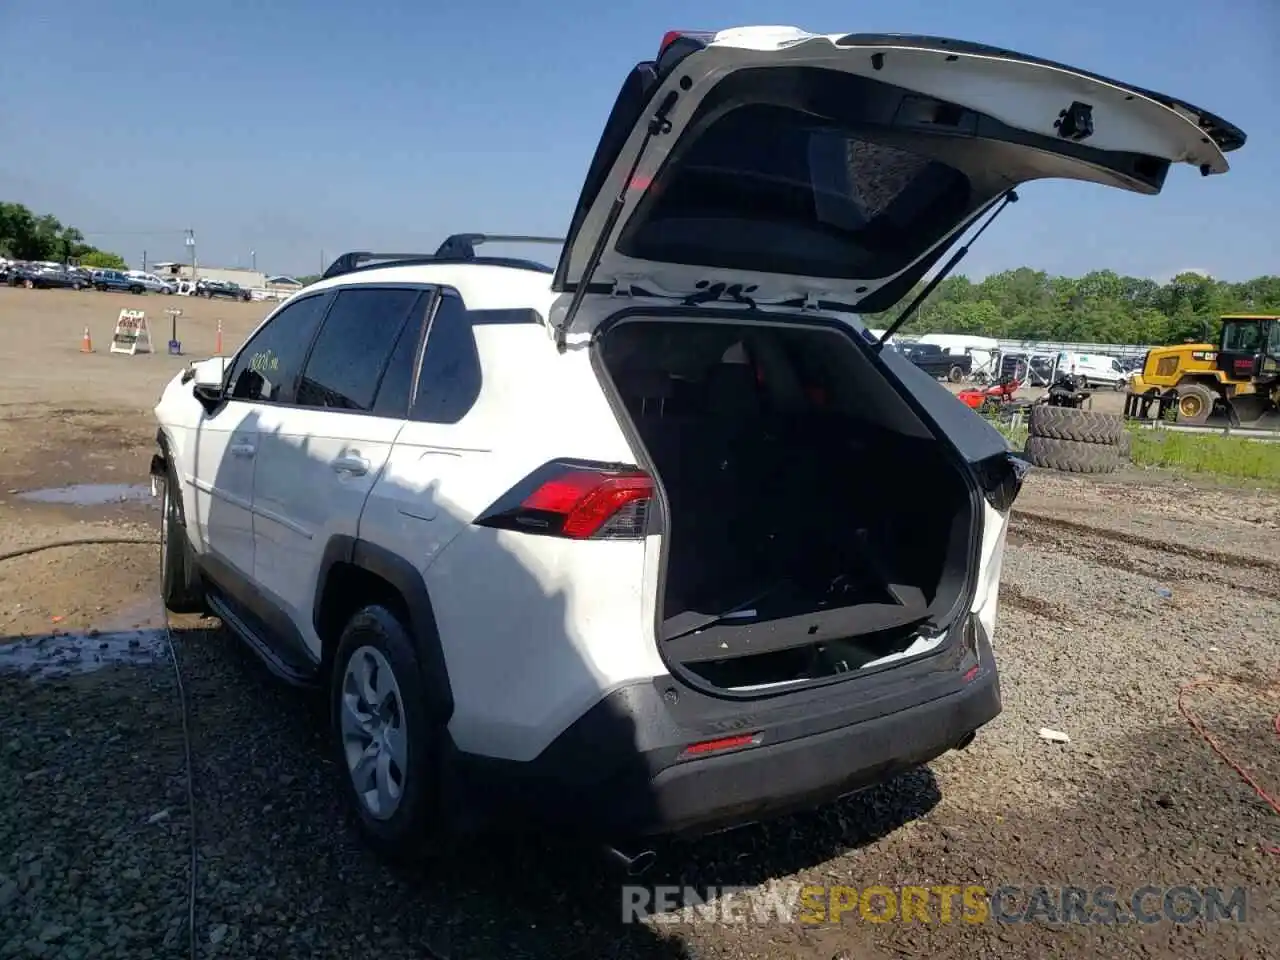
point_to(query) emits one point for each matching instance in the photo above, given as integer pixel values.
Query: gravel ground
(1098, 632)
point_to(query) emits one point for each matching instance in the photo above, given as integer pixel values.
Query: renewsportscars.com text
(791, 902)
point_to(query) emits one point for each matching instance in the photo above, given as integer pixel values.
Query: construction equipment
(1239, 376)
(1067, 390)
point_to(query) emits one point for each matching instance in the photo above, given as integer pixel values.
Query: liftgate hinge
(623, 287)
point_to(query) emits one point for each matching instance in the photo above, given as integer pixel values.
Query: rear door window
(352, 349)
(396, 389)
(449, 383)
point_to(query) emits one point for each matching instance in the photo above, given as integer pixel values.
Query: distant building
(249, 279)
(283, 284)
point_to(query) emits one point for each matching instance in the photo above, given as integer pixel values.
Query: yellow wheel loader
(1239, 376)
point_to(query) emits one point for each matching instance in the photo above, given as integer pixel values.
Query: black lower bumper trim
(607, 787)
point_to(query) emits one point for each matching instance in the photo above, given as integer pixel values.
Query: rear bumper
(618, 772)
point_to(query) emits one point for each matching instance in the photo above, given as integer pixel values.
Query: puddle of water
(132, 636)
(89, 494)
(65, 655)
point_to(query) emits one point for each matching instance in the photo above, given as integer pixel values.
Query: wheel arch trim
(407, 581)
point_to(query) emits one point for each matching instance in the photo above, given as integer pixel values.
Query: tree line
(1100, 307)
(1022, 304)
(28, 236)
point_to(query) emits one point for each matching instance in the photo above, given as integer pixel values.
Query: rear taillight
(698, 38)
(1001, 479)
(578, 501)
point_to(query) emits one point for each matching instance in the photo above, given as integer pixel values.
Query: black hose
(191, 794)
(85, 541)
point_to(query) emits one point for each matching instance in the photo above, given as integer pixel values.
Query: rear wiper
(905, 315)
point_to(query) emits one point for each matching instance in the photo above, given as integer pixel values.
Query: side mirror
(209, 377)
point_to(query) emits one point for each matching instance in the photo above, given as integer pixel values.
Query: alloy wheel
(374, 734)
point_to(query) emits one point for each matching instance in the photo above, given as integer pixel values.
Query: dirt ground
(1117, 594)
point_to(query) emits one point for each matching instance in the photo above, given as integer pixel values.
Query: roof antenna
(905, 315)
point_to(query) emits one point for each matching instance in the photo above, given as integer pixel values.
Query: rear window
(773, 188)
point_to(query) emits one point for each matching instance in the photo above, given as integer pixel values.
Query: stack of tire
(1076, 441)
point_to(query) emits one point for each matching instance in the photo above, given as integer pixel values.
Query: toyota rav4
(659, 540)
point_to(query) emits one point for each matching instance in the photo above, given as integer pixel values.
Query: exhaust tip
(964, 741)
(634, 866)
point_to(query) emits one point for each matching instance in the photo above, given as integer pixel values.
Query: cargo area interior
(815, 525)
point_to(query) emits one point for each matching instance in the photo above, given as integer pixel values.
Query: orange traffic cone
(86, 344)
(217, 344)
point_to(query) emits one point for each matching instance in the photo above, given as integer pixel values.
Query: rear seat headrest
(645, 383)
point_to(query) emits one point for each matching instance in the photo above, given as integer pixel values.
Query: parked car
(655, 541)
(107, 280)
(152, 283)
(84, 275)
(9, 271)
(42, 278)
(936, 362)
(221, 288)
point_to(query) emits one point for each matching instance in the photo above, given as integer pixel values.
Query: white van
(1097, 368)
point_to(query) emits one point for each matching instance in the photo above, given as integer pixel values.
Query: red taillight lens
(589, 501)
(577, 502)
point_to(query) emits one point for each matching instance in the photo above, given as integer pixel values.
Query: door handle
(243, 449)
(352, 464)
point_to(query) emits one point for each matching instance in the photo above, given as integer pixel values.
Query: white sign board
(131, 334)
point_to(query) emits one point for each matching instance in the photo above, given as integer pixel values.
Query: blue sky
(299, 130)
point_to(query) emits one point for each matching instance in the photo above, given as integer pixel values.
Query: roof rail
(464, 244)
(458, 248)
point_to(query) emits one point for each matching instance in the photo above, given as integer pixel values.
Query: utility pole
(322, 261)
(253, 260)
(144, 261)
(191, 245)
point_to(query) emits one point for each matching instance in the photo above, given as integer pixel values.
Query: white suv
(659, 540)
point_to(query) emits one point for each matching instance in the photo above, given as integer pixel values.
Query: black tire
(412, 831)
(955, 374)
(180, 586)
(137, 290)
(1070, 423)
(1071, 456)
(1195, 403)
